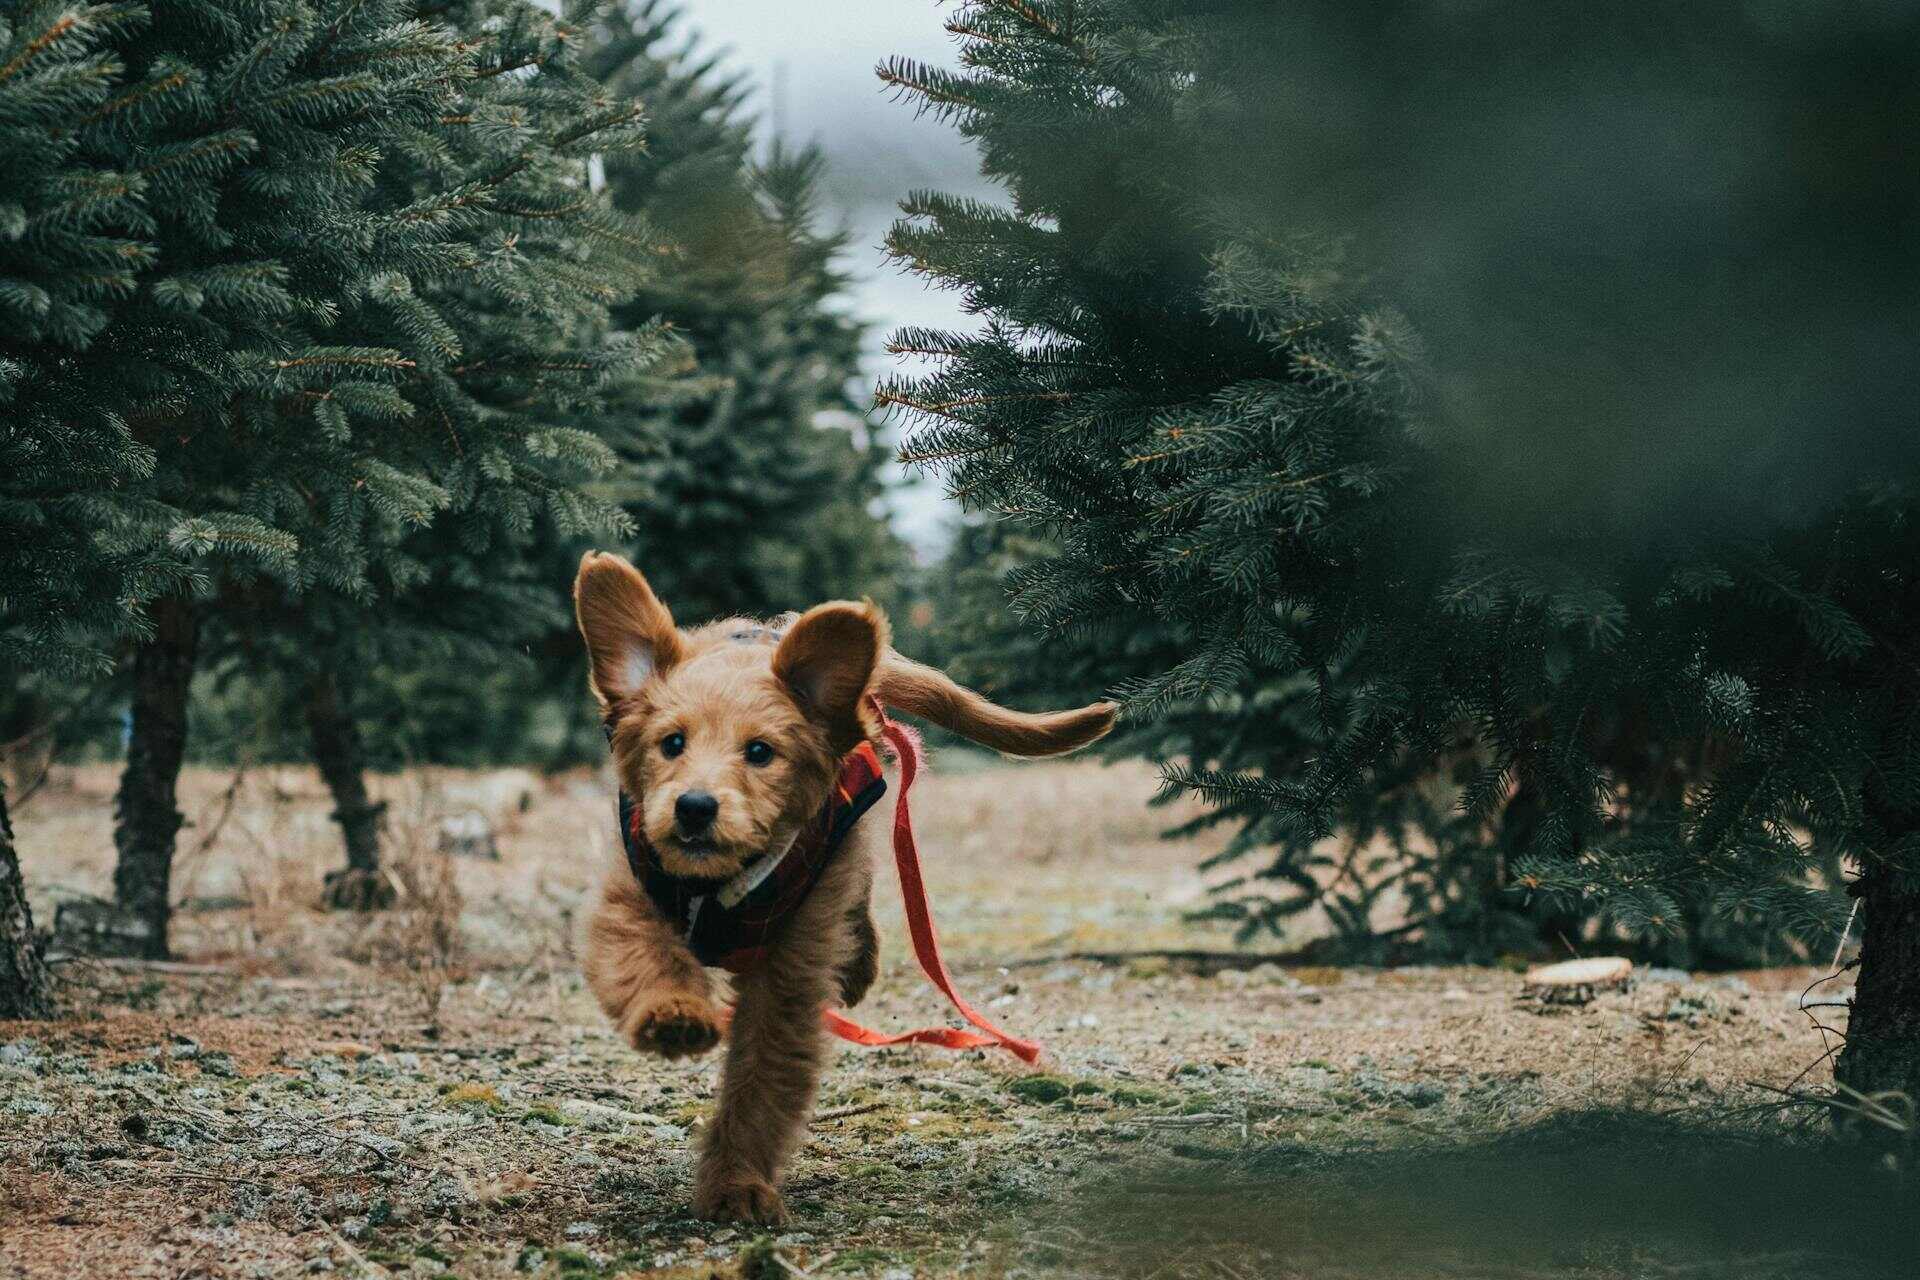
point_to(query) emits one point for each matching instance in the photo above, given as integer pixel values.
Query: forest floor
(429, 1091)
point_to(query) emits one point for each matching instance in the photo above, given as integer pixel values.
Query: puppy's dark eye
(673, 744)
(758, 752)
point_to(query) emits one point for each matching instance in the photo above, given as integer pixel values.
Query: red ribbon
(926, 945)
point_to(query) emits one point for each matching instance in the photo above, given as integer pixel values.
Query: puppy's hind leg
(644, 976)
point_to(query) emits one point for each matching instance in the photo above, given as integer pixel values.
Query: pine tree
(75, 533)
(754, 489)
(753, 481)
(749, 481)
(371, 297)
(1666, 710)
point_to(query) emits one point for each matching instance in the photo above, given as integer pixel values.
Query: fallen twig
(1207, 959)
(1199, 1120)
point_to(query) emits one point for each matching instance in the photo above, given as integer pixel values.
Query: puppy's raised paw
(743, 1198)
(677, 1027)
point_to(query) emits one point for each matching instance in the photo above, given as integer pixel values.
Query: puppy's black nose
(694, 812)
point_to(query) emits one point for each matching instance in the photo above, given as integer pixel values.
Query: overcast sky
(811, 68)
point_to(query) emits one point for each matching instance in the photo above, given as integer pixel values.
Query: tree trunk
(146, 815)
(1882, 1052)
(337, 751)
(23, 978)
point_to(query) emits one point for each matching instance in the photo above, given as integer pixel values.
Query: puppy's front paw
(677, 1027)
(742, 1198)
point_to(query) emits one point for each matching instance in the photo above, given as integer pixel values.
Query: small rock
(96, 928)
(315, 1265)
(582, 1230)
(911, 1153)
(448, 1195)
(469, 835)
(19, 1053)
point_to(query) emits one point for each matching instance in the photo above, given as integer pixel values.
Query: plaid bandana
(731, 924)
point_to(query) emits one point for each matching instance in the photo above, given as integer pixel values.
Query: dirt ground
(429, 1091)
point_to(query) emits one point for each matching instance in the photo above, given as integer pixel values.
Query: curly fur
(806, 691)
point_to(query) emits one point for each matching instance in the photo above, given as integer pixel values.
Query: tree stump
(1577, 981)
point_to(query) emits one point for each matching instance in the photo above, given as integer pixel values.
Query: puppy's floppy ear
(629, 633)
(828, 659)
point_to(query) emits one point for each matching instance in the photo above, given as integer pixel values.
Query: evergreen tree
(1673, 710)
(749, 480)
(754, 481)
(75, 555)
(756, 488)
(372, 294)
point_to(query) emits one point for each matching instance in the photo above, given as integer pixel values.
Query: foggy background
(810, 72)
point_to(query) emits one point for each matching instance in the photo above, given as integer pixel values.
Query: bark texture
(147, 816)
(23, 976)
(337, 751)
(1882, 1053)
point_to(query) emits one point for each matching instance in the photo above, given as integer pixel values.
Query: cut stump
(1577, 981)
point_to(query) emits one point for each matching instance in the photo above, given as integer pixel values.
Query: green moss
(760, 1261)
(547, 1114)
(1040, 1088)
(572, 1261)
(866, 1258)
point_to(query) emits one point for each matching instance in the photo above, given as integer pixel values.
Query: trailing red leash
(926, 945)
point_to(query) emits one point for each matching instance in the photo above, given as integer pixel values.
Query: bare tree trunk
(1882, 1052)
(338, 752)
(147, 816)
(23, 978)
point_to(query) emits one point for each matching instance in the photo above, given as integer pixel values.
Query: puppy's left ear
(828, 659)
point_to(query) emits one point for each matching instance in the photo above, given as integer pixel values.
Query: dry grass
(443, 1061)
(249, 876)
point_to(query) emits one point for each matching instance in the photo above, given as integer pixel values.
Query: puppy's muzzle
(693, 814)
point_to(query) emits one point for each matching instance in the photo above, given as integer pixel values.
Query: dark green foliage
(755, 489)
(360, 326)
(1250, 477)
(357, 284)
(745, 480)
(76, 548)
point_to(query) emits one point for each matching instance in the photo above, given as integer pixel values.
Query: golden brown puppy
(745, 754)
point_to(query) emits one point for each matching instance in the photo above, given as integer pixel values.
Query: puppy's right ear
(630, 635)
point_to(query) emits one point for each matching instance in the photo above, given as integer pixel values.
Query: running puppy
(746, 757)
